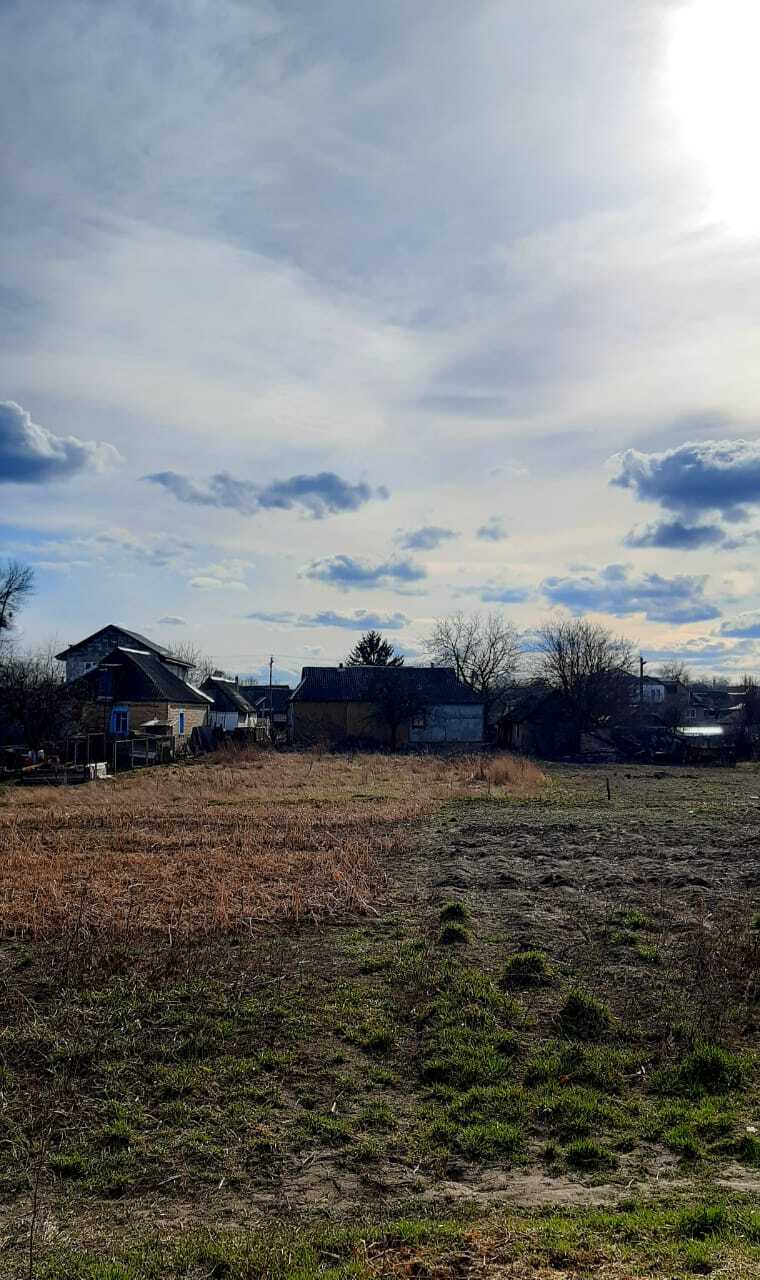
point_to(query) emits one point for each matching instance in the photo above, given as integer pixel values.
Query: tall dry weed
(225, 844)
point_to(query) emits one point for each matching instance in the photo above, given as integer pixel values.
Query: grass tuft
(584, 1017)
(526, 969)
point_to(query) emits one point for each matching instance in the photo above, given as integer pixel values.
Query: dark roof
(257, 695)
(137, 676)
(141, 641)
(437, 685)
(226, 695)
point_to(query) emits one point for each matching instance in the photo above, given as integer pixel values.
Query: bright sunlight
(715, 87)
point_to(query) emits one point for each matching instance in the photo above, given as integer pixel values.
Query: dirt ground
(630, 895)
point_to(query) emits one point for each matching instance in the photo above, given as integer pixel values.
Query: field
(299, 1016)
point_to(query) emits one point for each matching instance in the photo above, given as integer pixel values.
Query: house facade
(133, 691)
(229, 710)
(86, 654)
(385, 707)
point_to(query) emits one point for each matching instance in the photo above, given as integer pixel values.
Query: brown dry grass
(226, 844)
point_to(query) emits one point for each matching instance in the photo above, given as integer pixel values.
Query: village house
(86, 654)
(270, 704)
(385, 707)
(133, 690)
(229, 710)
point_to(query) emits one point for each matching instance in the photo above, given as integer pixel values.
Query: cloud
(613, 590)
(322, 494)
(226, 575)
(427, 538)
(172, 621)
(494, 594)
(677, 535)
(711, 475)
(30, 454)
(359, 620)
(347, 572)
(492, 531)
(745, 627)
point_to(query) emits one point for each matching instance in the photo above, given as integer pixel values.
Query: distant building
(386, 707)
(271, 707)
(230, 710)
(85, 655)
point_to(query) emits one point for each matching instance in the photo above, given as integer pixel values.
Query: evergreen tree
(373, 651)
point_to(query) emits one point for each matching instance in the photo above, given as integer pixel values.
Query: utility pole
(642, 664)
(271, 725)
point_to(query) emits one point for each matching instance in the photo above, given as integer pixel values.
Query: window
(181, 722)
(691, 713)
(419, 720)
(120, 721)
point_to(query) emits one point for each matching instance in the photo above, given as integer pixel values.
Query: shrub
(526, 969)
(585, 1153)
(583, 1017)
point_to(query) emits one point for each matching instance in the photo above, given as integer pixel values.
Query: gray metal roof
(161, 679)
(436, 685)
(142, 641)
(226, 695)
(257, 695)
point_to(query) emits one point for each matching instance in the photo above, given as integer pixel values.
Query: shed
(385, 706)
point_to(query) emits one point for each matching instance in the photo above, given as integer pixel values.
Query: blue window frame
(120, 721)
(181, 722)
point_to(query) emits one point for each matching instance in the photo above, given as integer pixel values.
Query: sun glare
(714, 79)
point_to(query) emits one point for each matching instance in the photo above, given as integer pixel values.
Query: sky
(321, 316)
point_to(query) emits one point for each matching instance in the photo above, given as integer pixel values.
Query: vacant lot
(297, 1016)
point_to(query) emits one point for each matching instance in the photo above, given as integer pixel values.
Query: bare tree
(34, 697)
(591, 669)
(16, 586)
(201, 665)
(396, 698)
(484, 652)
(675, 670)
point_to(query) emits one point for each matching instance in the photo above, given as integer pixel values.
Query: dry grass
(196, 849)
(516, 773)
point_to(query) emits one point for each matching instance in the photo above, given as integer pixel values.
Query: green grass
(587, 1154)
(526, 969)
(640, 1239)
(705, 1069)
(454, 934)
(585, 1017)
(454, 909)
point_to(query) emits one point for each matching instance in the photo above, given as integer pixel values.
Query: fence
(120, 754)
(136, 753)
